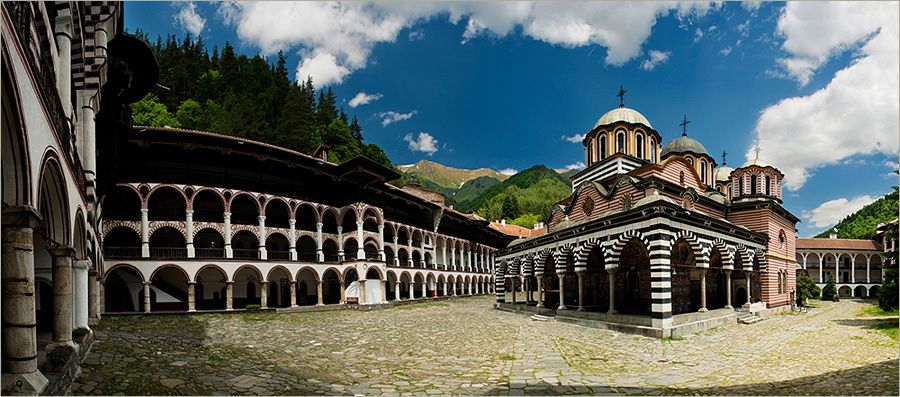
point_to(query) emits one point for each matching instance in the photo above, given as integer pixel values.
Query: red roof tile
(837, 244)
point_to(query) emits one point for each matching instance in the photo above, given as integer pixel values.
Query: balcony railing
(122, 252)
(331, 258)
(278, 255)
(306, 256)
(168, 252)
(209, 252)
(245, 253)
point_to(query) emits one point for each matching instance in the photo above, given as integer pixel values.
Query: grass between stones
(875, 311)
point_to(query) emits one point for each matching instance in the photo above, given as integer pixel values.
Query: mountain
(447, 177)
(473, 188)
(861, 224)
(532, 191)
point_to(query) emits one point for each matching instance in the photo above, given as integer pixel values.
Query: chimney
(503, 222)
(832, 236)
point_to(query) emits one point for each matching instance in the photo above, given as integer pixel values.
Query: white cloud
(348, 31)
(577, 138)
(893, 165)
(856, 113)
(833, 211)
(725, 51)
(323, 68)
(423, 142)
(391, 117)
(576, 166)
(189, 19)
(654, 59)
(362, 98)
(698, 34)
(508, 171)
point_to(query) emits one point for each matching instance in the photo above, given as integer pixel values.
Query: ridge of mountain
(448, 177)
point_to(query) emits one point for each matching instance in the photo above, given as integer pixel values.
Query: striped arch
(718, 245)
(744, 255)
(583, 251)
(513, 267)
(620, 243)
(701, 257)
(760, 255)
(559, 257)
(539, 259)
(528, 265)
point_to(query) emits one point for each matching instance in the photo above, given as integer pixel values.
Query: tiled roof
(516, 230)
(837, 244)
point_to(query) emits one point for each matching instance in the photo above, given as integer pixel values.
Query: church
(656, 239)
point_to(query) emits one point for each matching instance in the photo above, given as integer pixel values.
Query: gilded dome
(623, 114)
(683, 144)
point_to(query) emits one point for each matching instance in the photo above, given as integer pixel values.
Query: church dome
(683, 145)
(723, 173)
(757, 162)
(623, 114)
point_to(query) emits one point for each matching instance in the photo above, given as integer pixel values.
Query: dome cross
(724, 154)
(621, 96)
(757, 150)
(683, 125)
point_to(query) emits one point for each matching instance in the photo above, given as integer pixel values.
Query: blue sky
(500, 85)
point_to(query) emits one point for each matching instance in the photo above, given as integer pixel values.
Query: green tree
(526, 220)
(151, 112)
(887, 294)
(806, 288)
(190, 115)
(510, 207)
(830, 290)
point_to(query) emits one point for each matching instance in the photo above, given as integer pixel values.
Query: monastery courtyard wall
(463, 346)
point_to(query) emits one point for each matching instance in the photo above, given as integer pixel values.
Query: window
(690, 160)
(703, 171)
(752, 184)
(603, 147)
(592, 155)
(640, 146)
(781, 239)
(768, 185)
(740, 185)
(620, 141)
(681, 178)
(652, 150)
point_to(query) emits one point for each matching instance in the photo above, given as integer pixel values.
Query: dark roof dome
(683, 144)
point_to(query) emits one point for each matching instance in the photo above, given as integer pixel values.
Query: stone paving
(463, 347)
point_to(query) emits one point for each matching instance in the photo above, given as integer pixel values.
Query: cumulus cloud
(577, 138)
(362, 98)
(655, 58)
(188, 18)
(698, 34)
(345, 33)
(833, 211)
(725, 51)
(323, 68)
(509, 171)
(576, 166)
(421, 142)
(391, 117)
(857, 112)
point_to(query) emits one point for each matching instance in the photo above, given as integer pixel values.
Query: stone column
(227, 218)
(343, 293)
(397, 291)
(444, 255)
(263, 294)
(20, 373)
(88, 137)
(262, 238)
(381, 242)
(92, 297)
(853, 269)
(702, 291)
(540, 290)
(63, 38)
(292, 224)
(384, 291)
(868, 264)
(453, 257)
(837, 270)
(362, 291)
(728, 289)
(412, 287)
(320, 255)
(229, 295)
(189, 232)
(319, 298)
(580, 290)
(340, 241)
(294, 295)
(192, 297)
(396, 252)
(146, 297)
(562, 288)
(145, 233)
(360, 239)
(512, 283)
(80, 293)
(747, 305)
(821, 265)
(611, 275)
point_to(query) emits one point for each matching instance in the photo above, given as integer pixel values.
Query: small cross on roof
(683, 125)
(621, 96)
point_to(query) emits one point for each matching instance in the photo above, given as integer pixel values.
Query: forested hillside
(223, 92)
(528, 195)
(862, 223)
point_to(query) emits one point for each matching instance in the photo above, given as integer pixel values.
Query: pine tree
(829, 290)
(356, 130)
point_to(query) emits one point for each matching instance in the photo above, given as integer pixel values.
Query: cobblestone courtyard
(463, 346)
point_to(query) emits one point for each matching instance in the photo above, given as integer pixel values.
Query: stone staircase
(747, 317)
(538, 317)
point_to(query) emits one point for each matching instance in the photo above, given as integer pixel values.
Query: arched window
(752, 183)
(603, 147)
(640, 146)
(740, 186)
(690, 160)
(768, 185)
(681, 178)
(703, 171)
(592, 153)
(652, 150)
(781, 239)
(620, 141)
